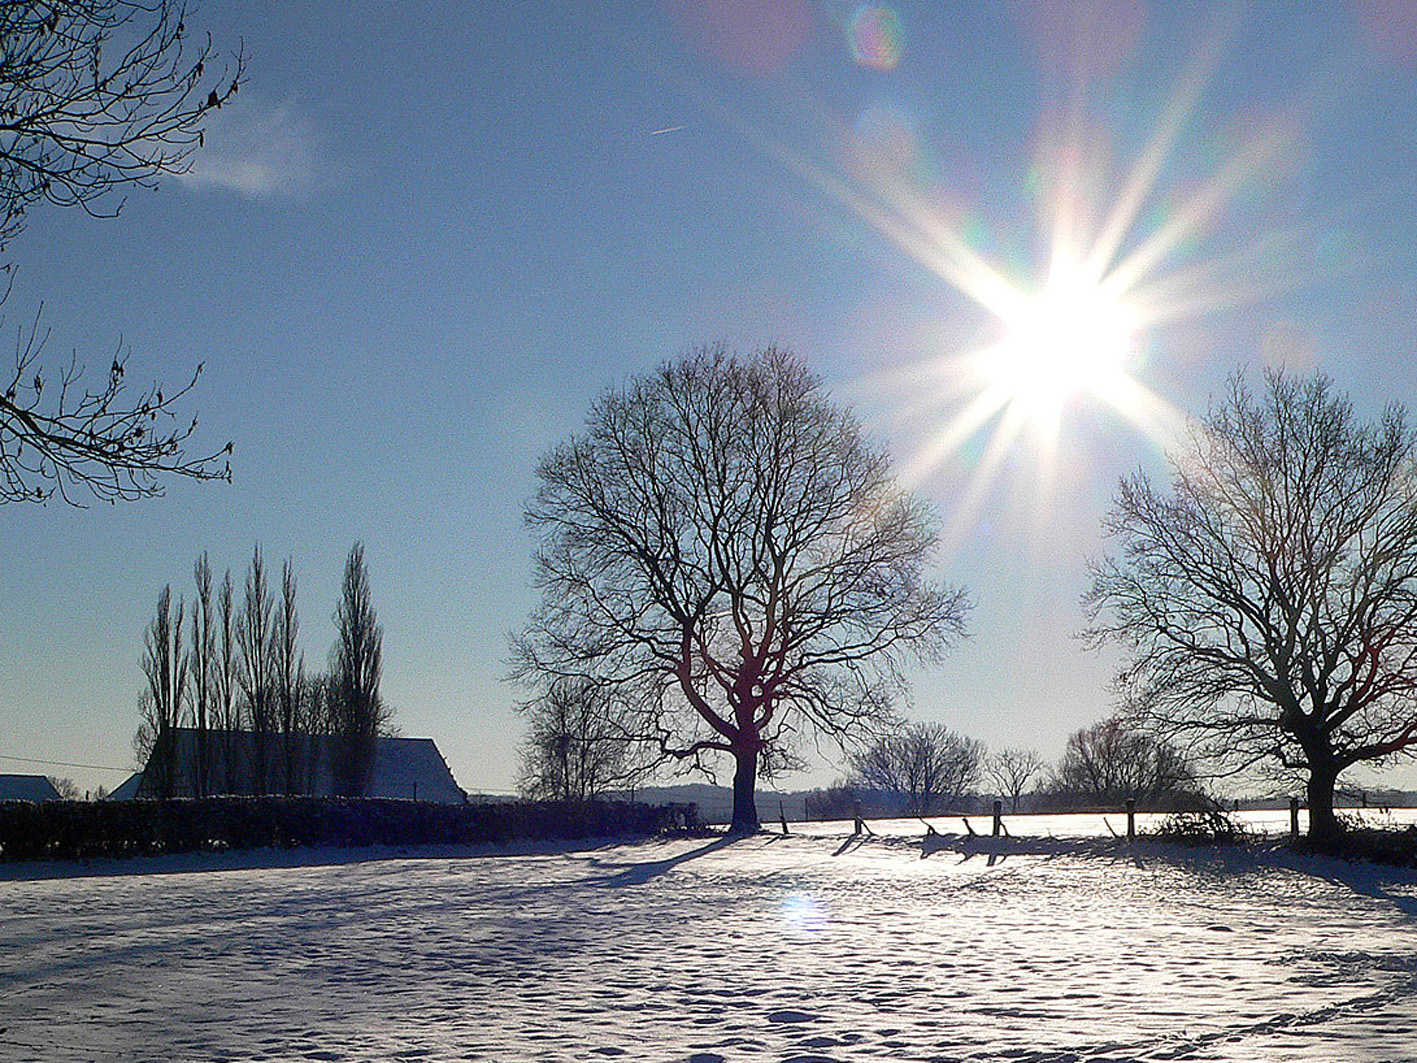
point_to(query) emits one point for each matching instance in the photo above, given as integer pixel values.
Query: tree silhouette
(288, 676)
(925, 766)
(202, 668)
(357, 710)
(1269, 599)
(163, 701)
(256, 674)
(1111, 761)
(724, 549)
(1011, 770)
(227, 678)
(578, 744)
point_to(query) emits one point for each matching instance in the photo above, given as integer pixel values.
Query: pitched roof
(410, 768)
(27, 788)
(127, 789)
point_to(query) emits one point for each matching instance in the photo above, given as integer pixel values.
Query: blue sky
(417, 247)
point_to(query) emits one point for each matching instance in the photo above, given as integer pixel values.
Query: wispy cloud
(258, 151)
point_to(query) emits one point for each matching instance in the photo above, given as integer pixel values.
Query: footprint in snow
(792, 1016)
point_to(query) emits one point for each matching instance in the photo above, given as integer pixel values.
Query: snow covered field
(811, 947)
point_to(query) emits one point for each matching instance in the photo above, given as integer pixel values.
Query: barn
(27, 788)
(244, 762)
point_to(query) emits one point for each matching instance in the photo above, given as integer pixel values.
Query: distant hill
(716, 802)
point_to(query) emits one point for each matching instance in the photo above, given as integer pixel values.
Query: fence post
(998, 817)
(1293, 817)
(782, 815)
(1131, 819)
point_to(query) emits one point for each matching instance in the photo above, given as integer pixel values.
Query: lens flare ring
(876, 37)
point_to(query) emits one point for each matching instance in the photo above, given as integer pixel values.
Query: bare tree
(202, 668)
(227, 680)
(1110, 761)
(96, 96)
(926, 767)
(288, 666)
(255, 637)
(724, 549)
(161, 704)
(1269, 600)
(357, 665)
(319, 704)
(578, 745)
(66, 787)
(1011, 770)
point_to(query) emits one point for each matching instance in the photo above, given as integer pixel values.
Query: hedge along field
(68, 830)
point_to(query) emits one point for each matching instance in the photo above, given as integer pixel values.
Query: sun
(1110, 253)
(1074, 340)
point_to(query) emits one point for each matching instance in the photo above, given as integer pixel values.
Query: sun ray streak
(893, 211)
(1142, 180)
(1204, 206)
(1268, 267)
(969, 506)
(961, 428)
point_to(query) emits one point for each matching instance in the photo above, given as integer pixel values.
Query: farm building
(27, 788)
(243, 762)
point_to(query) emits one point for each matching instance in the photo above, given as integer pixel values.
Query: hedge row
(67, 830)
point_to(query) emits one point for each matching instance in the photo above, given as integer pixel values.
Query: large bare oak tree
(96, 97)
(1269, 598)
(724, 547)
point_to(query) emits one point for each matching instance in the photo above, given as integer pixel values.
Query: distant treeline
(68, 830)
(844, 800)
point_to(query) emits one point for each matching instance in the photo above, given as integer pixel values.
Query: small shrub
(1209, 826)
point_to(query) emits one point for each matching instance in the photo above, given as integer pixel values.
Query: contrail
(667, 129)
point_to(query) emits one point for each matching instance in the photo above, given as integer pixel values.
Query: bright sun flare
(1073, 340)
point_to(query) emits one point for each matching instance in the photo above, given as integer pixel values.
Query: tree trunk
(1324, 830)
(745, 800)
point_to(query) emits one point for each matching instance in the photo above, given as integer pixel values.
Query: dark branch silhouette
(96, 96)
(59, 434)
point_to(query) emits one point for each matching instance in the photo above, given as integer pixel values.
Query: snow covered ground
(811, 947)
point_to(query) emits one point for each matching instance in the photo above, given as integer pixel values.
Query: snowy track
(773, 949)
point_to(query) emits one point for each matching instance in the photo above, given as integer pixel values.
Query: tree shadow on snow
(1368, 880)
(639, 874)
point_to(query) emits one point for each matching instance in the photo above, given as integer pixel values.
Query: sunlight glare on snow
(802, 913)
